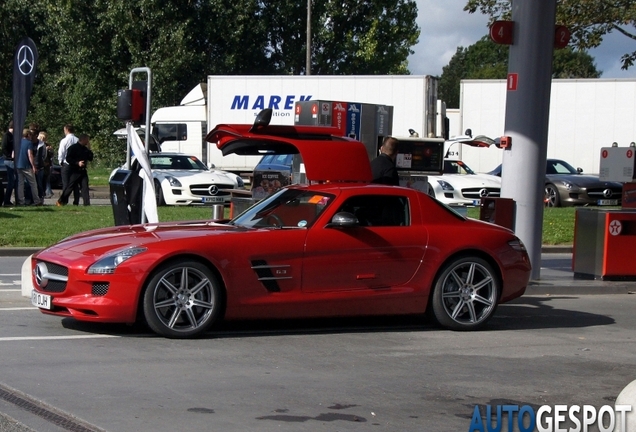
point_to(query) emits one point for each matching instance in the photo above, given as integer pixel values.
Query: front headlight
(109, 263)
(173, 181)
(445, 185)
(569, 186)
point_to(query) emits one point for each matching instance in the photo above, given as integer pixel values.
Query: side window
(379, 210)
(170, 132)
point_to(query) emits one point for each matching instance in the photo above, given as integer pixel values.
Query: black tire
(182, 300)
(552, 197)
(466, 294)
(159, 194)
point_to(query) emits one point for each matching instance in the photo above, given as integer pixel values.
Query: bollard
(218, 212)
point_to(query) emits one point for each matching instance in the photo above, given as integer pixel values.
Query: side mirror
(343, 220)
(579, 170)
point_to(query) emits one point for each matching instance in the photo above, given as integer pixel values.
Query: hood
(99, 242)
(470, 180)
(584, 180)
(214, 176)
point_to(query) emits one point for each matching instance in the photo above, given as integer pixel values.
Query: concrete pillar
(527, 115)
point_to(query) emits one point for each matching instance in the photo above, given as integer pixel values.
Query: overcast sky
(445, 26)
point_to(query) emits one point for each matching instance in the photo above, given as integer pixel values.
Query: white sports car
(182, 179)
(459, 185)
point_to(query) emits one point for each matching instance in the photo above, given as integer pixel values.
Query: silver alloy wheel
(181, 300)
(551, 196)
(466, 294)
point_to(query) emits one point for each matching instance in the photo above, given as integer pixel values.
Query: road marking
(10, 290)
(33, 338)
(10, 283)
(18, 308)
(10, 274)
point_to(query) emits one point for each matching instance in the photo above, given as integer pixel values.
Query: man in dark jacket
(7, 152)
(78, 156)
(383, 167)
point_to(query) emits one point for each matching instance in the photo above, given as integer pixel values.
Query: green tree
(488, 60)
(88, 47)
(587, 20)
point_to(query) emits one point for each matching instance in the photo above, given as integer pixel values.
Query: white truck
(238, 99)
(585, 115)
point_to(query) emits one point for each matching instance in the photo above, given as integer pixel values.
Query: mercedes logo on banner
(25, 63)
(26, 60)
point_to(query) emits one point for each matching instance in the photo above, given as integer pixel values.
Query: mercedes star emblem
(26, 60)
(41, 273)
(213, 190)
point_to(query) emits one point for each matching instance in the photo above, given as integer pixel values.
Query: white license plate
(213, 199)
(608, 202)
(43, 301)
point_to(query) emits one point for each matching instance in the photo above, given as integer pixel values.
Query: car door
(383, 251)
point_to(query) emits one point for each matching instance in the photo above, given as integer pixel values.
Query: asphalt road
(389, 374)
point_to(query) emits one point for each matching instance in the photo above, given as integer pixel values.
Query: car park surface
(389, 373)
(567, 186)
(339, 247)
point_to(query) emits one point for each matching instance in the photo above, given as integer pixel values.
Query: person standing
(7, 152)
(77, 157)
(26, 167)
(48, 163)
(383, 167)
(66, 142)
(39, 154)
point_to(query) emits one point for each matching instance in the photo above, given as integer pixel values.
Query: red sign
(501, 32)
(630, 154)
(513, 79)
(561, 36)
(604, 154)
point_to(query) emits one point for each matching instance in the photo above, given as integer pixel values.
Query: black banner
(24, 64)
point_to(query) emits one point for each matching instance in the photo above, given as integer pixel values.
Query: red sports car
(340, 246)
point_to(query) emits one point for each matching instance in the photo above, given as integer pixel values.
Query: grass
(558, 224)
(43, 226)
(98, 176)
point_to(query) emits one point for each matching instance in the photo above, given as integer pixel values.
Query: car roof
(327, 156)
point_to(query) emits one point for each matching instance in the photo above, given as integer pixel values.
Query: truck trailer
(585, 115)
(238, 99)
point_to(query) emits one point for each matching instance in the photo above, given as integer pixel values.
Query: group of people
(30, 167)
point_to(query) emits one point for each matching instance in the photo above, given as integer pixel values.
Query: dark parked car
(272, 172)
(56, 175)
(568, 186)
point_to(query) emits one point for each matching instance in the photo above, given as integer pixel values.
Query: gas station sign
(501, 32)
(617, 164)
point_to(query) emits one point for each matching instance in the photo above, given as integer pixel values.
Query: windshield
(456, 167)
(560, 167)
(176, 162)
(288, 208)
